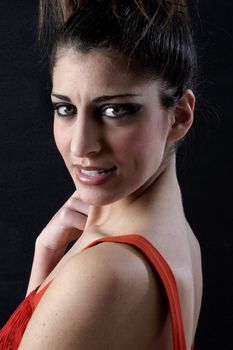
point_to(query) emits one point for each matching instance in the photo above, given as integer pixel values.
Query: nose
(86, 136)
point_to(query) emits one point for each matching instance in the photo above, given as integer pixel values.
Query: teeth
(93, 172)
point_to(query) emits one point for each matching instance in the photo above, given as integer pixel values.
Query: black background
(34, 182)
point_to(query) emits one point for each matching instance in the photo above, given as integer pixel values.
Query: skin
(89, 141)
(142, 196)
(147, 136)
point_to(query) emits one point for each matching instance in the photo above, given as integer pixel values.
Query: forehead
(97, 69)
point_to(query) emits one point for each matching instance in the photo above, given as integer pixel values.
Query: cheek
(139, 140)
(60, 137)
(124, 141)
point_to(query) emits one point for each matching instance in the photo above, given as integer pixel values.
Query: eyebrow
(61, 97)
(96, 99)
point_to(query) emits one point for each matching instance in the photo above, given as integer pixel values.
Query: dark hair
(153, 35)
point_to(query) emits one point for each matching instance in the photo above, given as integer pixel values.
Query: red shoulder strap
(37, 296)
(166, 275)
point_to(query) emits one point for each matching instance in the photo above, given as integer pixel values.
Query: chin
(96, 196)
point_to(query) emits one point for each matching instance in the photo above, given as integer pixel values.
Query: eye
(65, 110)
(118, 111)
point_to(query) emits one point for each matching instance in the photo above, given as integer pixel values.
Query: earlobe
(182, 118)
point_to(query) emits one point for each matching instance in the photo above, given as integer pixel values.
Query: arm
(92, 304)
(44, 261)
(66, 226)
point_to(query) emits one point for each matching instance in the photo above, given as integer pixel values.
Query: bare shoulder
(195, 250)
(106, 296)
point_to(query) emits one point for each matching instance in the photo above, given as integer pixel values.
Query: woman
(123, 74)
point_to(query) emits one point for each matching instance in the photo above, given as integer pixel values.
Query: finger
(72, 219)
(85, 206)
(77, 205)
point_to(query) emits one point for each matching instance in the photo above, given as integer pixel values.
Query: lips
(94, 175)
(94, 172)
(90, 171)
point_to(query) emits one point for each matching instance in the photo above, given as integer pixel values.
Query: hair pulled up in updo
(154, 35)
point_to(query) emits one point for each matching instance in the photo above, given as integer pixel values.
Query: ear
(182, 116)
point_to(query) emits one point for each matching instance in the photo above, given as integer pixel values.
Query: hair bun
(62, 10)
(155, 35)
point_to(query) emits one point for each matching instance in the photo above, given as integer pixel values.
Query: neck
(159, 198)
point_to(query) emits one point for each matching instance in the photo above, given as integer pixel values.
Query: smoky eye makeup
(111, 111)
(119, 111)
(64, 109)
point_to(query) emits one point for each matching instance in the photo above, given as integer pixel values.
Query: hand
(66, 225)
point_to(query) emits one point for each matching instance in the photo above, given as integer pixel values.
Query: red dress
(11, 334)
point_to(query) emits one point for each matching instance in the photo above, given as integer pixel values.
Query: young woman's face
(109, 126)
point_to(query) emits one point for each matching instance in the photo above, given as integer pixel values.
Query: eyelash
(128, 109)
(56, 107)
